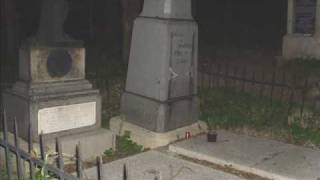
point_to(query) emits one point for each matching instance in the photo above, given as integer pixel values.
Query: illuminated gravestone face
(305, 14)
(161, 87)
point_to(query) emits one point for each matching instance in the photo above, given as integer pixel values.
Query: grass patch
(229, 109)
(125, 147)
(303, 135)
(303, 68)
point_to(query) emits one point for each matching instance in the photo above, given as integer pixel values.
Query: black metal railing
(271, 82)
(16, 169)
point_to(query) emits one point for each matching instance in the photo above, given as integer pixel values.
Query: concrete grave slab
(266, 158)
(147, 166)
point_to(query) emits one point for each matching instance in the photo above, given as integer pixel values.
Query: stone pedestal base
(300, 46)
(55, 109)
(159, 116)
(150, 139)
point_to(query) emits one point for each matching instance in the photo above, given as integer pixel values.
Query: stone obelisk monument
(160, 98)
(52, 93)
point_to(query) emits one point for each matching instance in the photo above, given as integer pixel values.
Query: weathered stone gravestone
(303, 30)
(161, 86)
(52, 93)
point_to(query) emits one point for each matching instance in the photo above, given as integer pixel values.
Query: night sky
(91, 19)
(223, 24)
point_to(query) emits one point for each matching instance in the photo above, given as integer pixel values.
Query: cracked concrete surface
(266, 158)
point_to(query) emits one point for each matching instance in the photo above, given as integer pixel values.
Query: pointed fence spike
(30, 139)
(272, 87)
(17, 150)
(304, 94)
(283, 85)
(79, 161)
(99, 168)
(235, 70)
(226, 81)
(42, 153)
(30, 149)
(60, 163)
(125, 172)
(244, 77)
(262, 85)
(7, 150)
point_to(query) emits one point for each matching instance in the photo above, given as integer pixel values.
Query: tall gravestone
(52, 93)
(161, 86)
(302, 38)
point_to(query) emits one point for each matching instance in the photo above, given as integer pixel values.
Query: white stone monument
(160, 102)
(52, 93)
(303, 30)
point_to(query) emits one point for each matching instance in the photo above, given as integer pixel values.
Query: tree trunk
(130, 10)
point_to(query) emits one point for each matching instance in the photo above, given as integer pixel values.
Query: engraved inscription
(181, 64)
(182, 50)
(61, 118)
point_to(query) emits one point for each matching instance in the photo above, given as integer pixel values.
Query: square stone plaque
(62, 118)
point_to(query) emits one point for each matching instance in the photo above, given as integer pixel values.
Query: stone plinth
(151, 139)
(51, 62)
(54, 113)
(300, 46)
(161, 86)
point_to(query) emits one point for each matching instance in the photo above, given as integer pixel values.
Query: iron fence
(16, 170)
(273, 83)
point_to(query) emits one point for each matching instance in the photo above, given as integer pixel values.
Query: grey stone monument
(303, 30)
(161, 86)
(52, 93)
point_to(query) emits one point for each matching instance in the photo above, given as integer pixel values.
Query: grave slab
(266, 158)
(151, 139)
(153, 164)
